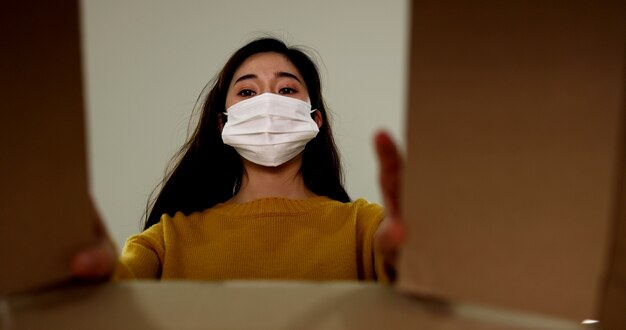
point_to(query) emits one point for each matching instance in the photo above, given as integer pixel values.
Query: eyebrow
(279, 74)
(287, 74)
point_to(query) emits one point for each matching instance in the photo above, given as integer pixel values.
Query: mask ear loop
(311, 113)
(222, 118)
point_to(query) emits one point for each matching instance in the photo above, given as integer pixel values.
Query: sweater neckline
(270, 205)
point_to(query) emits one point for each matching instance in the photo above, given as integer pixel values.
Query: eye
(287, 91)
(246, 93)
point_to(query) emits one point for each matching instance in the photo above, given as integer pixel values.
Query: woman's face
(266, 73)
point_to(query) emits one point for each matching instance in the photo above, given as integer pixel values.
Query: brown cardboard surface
(515, 153)
(252, 305)
(45, 210)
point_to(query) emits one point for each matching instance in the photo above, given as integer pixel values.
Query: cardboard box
(46, 214)
(514, 193)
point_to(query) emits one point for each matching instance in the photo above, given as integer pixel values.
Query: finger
(390, 165)
(94, 263)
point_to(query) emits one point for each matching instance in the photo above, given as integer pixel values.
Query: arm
(141, 257)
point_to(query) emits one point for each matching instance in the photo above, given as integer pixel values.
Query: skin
(270, 73)
(273, 73)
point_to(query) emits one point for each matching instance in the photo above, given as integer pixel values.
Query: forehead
(266, 64)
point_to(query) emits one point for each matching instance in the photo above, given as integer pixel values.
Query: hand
(95, 262)
(391, 232)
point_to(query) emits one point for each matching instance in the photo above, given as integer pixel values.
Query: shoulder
(368, 208)
(369, 218)
(360, 205)
(366, 213)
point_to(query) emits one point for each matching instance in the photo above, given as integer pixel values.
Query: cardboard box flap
(256, 305)
(515, 140)
(46, 214)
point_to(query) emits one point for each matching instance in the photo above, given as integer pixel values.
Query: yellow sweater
(270, 238)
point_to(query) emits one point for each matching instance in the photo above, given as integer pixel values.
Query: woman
(257, 192)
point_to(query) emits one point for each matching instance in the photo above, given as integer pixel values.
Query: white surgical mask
(269, 129)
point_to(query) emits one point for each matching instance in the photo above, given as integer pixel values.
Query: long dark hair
(209, 172)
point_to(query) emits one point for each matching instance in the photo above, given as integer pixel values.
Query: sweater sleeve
(142, 255)
(370, 216)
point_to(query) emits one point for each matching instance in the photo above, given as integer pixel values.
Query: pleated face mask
(269, 129)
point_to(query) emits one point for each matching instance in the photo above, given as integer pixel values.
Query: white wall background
(146, 62)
